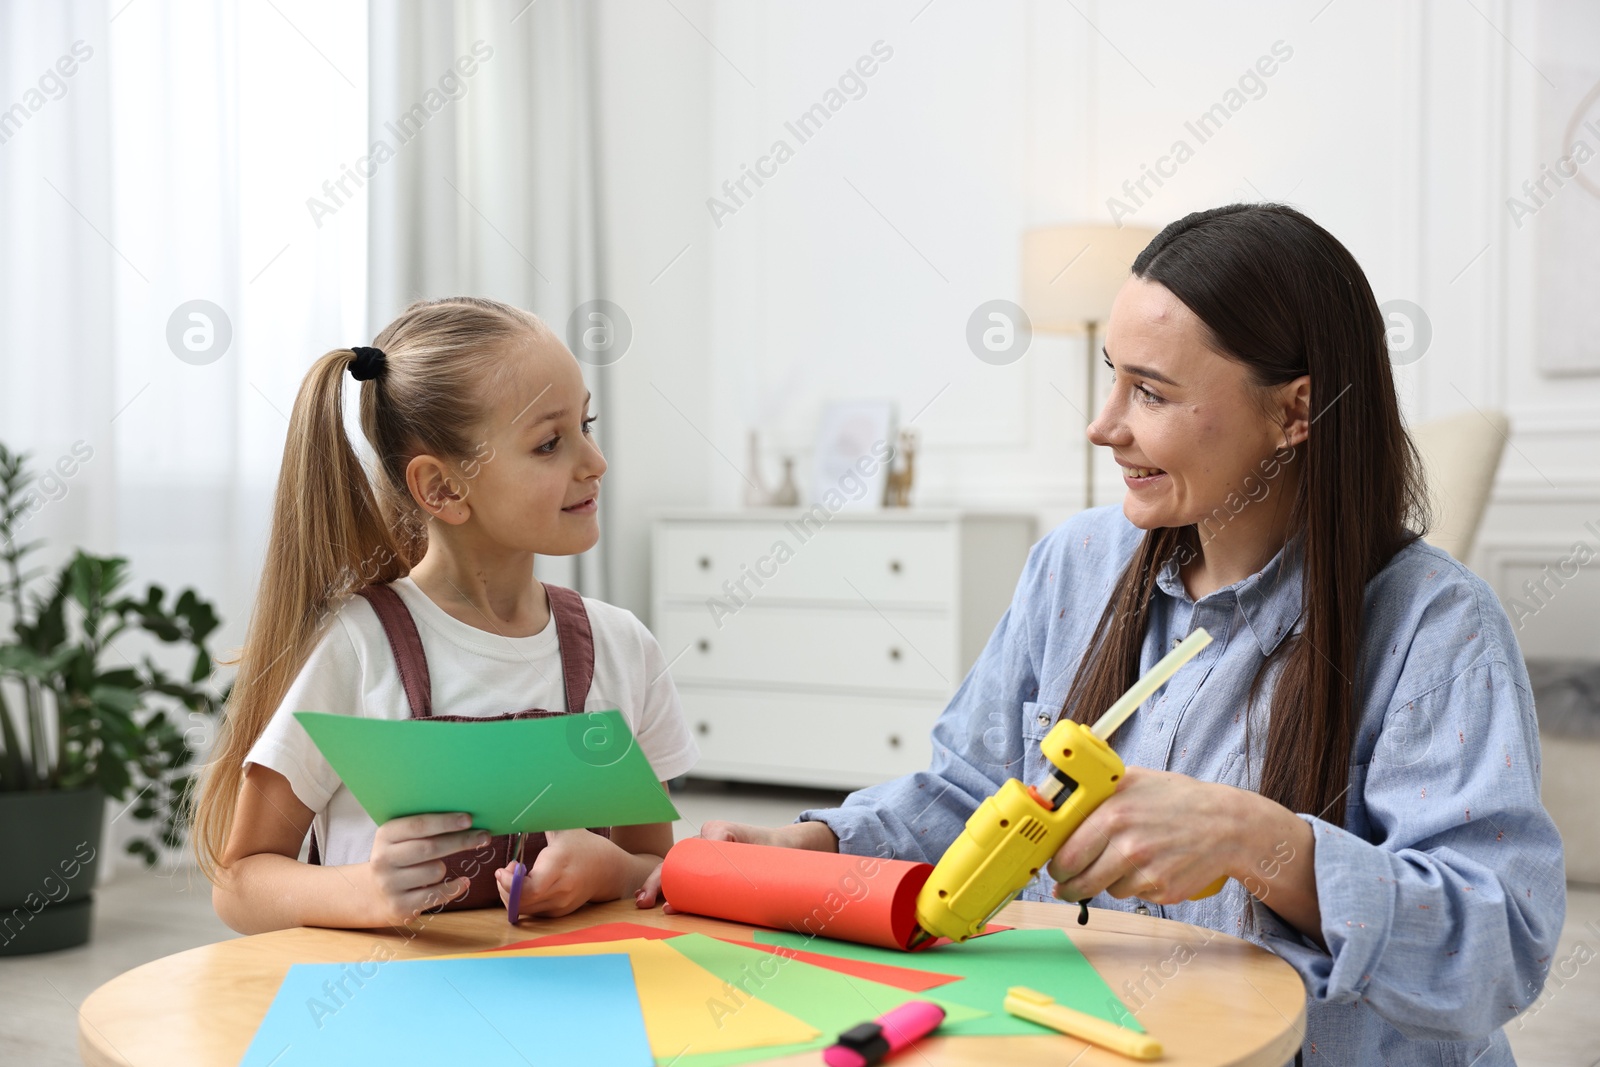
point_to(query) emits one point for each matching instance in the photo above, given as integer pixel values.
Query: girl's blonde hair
(331, 532)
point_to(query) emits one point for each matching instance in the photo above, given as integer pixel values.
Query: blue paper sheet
(538, 1011)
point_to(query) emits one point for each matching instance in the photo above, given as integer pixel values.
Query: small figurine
(897, 489)
(787, 495)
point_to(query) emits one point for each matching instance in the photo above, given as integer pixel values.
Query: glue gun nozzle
(918, 939)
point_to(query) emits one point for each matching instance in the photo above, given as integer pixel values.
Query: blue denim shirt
(1442, 895)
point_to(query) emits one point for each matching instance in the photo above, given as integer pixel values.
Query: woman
(1356, 749)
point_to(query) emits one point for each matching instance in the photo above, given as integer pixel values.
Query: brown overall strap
(577, 644)
(401, 629)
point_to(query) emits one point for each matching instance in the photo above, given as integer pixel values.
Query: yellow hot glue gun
(1015, 832)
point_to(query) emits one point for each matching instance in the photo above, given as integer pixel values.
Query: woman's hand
(809, 835)
(574, 868)
(1162, 837)
(407, 868)
(1165, 837)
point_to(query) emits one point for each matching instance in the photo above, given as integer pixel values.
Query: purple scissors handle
(519, 871)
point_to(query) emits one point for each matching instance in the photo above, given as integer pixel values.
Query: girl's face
(534, 485)
(1186, 425)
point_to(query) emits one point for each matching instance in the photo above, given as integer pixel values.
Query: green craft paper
(1045, 960)
(511, 775)
(830, 1001)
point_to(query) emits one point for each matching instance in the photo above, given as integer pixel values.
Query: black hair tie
(368, 363)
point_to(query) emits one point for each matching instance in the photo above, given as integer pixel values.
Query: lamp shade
(1071, 274)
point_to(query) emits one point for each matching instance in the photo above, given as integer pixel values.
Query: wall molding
(1533, 491)
(1552, 422)
(1498, 559)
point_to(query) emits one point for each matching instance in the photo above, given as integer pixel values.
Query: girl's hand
(1162, 837)
(815, 836)
(407, 864)
(574, 868)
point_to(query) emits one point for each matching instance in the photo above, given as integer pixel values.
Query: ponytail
(327, 539)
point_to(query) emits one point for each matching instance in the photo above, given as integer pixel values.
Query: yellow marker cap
(1034, 1006)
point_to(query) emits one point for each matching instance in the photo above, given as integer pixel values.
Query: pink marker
(864, 1045)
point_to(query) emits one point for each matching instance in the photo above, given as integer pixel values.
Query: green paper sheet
(828, 1000)
(1045, 960)
(510, 775)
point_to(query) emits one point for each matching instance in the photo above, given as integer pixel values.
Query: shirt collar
(1271, 599)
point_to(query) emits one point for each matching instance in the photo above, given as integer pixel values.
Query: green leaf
(49, 628)
(21, 659)
(125, 677)
(115, 778)
(116, 697)
(203, 622)
(202, 666)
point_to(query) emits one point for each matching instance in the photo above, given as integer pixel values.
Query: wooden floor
(141, 917)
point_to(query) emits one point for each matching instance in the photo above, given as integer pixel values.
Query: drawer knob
(703, 645)
(702, 727)
(894, 653)
(894, 740)
(894, 566)
(705, 563)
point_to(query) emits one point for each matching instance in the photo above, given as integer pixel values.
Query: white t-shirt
(352, 671)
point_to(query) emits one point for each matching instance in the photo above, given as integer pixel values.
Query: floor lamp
(1070, 275)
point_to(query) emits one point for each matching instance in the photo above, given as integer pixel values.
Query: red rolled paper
(863, 899)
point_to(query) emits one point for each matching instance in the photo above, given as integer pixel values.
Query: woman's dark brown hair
(1280, 295)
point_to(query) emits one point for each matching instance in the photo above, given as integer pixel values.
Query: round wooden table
(1211, 999)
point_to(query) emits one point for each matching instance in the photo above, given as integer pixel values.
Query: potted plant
(80, 722)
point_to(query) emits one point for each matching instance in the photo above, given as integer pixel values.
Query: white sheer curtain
(58, 271)
(173, 165)
(224, 153)
(487, 108)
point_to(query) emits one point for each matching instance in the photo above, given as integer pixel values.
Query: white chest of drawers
(818, 650)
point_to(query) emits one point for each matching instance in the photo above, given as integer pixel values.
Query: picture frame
(854, 450)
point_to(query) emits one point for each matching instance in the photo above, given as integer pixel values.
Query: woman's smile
(1140, 477)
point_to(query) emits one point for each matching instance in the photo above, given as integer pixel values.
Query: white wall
(1549, 490)
(851, 272)
(653, 85)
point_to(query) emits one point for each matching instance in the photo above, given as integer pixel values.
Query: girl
(479, 417)
(1356, 749)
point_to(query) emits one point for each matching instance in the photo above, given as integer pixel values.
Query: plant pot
(49, 841)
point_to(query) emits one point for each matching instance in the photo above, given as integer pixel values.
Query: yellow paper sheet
(675, 995)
